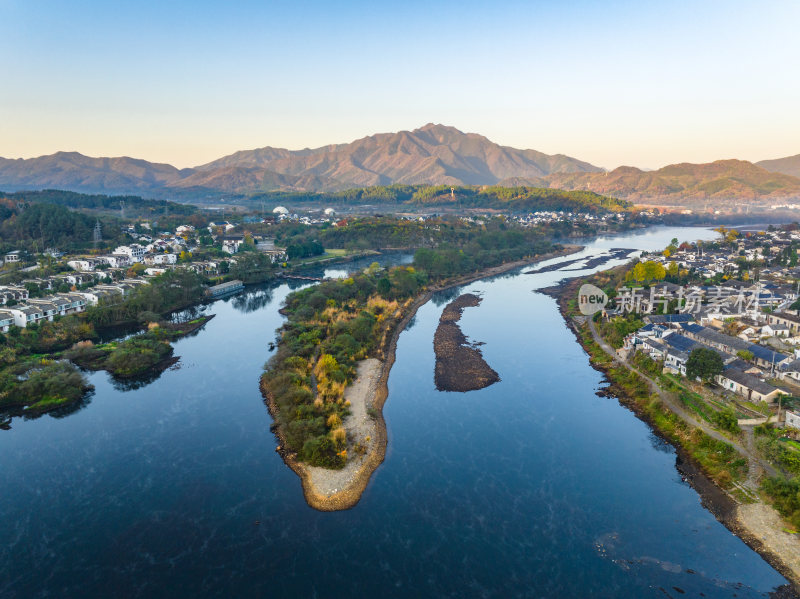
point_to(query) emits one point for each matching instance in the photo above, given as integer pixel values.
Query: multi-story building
(134, 251)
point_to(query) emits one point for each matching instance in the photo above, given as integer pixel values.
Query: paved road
(756, 464)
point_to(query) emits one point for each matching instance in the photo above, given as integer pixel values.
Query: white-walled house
(153, 259)
(24, 315)
(9, 292)
(84, 264)
(775, 330)
(99, 293)
(134, 251)
(231, 245)
(792, 419)
(6, 320)
(116, 260)
(74, 302)
(748, 386)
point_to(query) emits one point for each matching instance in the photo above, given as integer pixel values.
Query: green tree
(704, 364)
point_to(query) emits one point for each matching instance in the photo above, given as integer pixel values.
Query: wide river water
(532, 487)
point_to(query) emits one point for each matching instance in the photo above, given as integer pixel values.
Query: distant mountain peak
(684, 183)
(788, 166)
(434, 153)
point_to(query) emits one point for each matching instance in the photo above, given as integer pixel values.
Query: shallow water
(534, 486)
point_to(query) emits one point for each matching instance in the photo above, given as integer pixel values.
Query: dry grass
(339, 436)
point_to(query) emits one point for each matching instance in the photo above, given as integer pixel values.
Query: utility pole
(97, 234)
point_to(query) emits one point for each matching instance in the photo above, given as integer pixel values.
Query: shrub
(321, 451)
(785, 495)
(52, 380)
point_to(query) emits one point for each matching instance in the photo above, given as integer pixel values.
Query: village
(738, 298)
(95, 278)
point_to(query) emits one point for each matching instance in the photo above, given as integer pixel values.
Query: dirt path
(755, 463)
(360, 429)
(757, 524)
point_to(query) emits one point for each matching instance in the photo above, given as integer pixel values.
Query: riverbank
(757, 524)
(334, 492)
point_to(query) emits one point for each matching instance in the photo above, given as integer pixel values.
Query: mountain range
(433, 154)
(686, 184)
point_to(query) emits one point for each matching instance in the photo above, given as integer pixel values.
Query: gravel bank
(360, 429)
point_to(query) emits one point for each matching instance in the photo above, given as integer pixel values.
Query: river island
(326, 386)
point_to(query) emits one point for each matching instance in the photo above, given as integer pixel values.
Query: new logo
(591, 299)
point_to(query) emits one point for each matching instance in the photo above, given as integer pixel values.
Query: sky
(636, 83)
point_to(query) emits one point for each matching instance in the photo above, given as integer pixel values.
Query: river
(534, 486)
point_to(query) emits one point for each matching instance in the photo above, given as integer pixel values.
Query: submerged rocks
(459, 365)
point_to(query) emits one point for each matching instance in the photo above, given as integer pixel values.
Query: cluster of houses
(94, 277)
(747, 366)
(751, 325)
(125, 256)
(725, 260)
(19, 309)
(545, 217)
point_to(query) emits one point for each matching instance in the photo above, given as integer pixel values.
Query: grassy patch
(49, 402)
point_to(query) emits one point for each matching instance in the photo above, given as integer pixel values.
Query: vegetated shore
(758, 524)
(334, 490)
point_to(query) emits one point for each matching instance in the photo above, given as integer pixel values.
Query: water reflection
(143, 380)
(440, 298)
(175, 488)
(252, 300)
(8, 415)
(187, 314)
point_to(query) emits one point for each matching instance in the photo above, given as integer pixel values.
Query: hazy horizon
(613, 85)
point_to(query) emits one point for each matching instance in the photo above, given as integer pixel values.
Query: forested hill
(39, 226)
(788, 166)
(507, 199)
(133, 205)
(684, 183)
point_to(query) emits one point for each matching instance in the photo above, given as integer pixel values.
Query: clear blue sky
(638, 83)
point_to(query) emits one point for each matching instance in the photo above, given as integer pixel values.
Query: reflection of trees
(7, 416)
(187, 314)
(660, 444)
(440, 298)
(137, 382)
(117, 333)
(251, 301)
(73, 408)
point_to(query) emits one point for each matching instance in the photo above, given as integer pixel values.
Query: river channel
(534, 486)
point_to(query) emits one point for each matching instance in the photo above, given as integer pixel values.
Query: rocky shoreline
(357, 480)
(746, 521)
